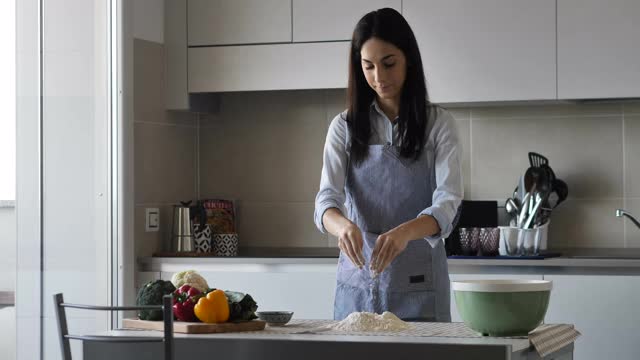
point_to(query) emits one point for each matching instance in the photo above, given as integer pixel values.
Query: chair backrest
(64, 336)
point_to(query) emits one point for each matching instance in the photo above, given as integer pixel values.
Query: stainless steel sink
(605, 257)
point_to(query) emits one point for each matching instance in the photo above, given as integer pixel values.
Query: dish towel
(552, 337)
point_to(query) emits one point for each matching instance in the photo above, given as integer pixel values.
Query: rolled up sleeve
(449, 189)
(332, 179)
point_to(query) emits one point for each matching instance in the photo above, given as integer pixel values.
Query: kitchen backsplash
(264, 150)
(165, 148)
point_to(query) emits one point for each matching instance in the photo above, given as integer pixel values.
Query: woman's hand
(388, 246)
(350, 242)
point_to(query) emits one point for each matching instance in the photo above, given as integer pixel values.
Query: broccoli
(151, 294)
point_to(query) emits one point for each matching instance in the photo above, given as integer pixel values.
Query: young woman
(391, 180)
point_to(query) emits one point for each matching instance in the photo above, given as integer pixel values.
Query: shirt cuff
(443, 222)
(321, 208)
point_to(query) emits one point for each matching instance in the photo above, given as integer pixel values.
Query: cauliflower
(191, 278)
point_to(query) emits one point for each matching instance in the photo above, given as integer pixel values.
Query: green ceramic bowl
(502, 307)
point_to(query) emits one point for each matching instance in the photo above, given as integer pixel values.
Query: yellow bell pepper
(213, 308)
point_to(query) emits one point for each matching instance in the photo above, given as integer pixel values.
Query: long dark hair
(415, 109)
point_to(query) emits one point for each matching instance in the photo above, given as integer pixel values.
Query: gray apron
(383, 192)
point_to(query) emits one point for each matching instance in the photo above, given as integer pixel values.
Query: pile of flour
(366, 321)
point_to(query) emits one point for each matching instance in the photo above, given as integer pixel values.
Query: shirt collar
(376, 107)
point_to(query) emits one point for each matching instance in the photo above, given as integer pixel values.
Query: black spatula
(537, 160)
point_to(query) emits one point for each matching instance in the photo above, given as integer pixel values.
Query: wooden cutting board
(195, 327)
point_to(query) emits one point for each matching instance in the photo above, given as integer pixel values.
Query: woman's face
(384, 66)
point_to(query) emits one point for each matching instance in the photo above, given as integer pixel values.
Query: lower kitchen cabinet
(455, 317)
(605, 309)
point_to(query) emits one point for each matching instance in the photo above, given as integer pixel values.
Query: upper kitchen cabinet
(225, 22)
(268, 67)
(598, 49)
(175, 61)
(492, 50)
(330, 20)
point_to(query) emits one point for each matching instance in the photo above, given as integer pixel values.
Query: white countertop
(559, 265)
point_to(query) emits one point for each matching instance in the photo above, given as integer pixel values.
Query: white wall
(148, 20)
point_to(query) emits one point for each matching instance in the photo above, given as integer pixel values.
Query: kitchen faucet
(620, 213)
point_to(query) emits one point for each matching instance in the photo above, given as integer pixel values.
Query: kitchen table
(269, 345)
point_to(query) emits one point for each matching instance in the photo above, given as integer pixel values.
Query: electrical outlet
(152, 219)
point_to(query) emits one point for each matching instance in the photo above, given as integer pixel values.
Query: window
(7, 177)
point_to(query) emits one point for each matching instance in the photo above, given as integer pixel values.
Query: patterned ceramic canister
(202, 238)
(225, 244)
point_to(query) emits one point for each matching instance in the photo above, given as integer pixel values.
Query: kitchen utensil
(536, 176)
(520, 190)
(195, 327)
(543, 216)
(561, 189)
(181, 234)
(512, 207)
(275, 318)
(502, 307)
(529, 178)
(536, 209)
(524, 209)
(552, 200)
(550, 174)
(537, 160)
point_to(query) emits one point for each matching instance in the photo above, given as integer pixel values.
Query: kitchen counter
(573, 261)
(257, 345)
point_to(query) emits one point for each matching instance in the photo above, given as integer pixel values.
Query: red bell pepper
(185, 299)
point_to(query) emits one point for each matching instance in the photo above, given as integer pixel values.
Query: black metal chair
(167, 339)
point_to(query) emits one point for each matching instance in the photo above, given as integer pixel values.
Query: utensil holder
(523, 242)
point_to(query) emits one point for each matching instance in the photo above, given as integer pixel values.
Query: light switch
(152, 219)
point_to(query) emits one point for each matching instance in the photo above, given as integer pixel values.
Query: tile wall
(165, 147)
(264, 149)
